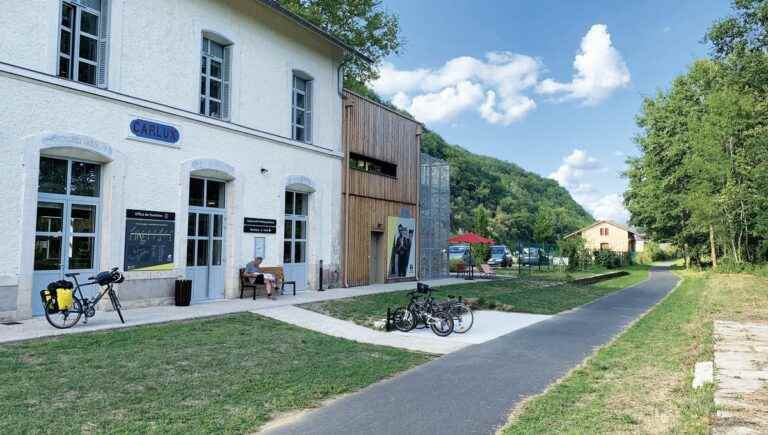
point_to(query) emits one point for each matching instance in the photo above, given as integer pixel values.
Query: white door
(205, 239)
(295, 238)
(66, 224)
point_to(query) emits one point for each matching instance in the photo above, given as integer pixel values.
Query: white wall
(154, 54)
(152, 177)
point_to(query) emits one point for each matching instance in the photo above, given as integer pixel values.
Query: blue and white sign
(155, 131)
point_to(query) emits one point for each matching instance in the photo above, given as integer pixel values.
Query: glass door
(295, 238)
(66, 224)
(205, 239)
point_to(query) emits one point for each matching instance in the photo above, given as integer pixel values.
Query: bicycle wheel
(66, 318)
(116, 304)
(404, 320)
(442, 325)
(419, 323)
(463, 319)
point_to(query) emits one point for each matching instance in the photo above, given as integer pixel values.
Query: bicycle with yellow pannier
(64, 303)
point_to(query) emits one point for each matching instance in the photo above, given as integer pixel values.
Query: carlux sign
(155, 131)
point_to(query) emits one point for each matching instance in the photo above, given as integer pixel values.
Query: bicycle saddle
(71, 275)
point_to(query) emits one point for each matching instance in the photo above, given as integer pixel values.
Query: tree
(481, 221)
(744, 32)
(362, 24)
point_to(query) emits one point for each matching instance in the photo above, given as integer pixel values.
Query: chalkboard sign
(149, 237)
(259, 226)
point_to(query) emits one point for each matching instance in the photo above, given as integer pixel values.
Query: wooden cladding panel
(365, 215)
(375, 131)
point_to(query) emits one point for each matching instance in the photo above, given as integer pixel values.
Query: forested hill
(502, 200)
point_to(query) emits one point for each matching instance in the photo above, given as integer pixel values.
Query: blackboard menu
(149, 237)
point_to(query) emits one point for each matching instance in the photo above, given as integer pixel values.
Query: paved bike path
(472, 391)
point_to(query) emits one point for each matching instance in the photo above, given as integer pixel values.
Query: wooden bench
(280, 283)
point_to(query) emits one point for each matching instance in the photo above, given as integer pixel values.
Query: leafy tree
(362, 24)
(744, 32)
(701, 180)
(481, 221)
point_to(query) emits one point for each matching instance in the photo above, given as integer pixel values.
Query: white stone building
(206, 113)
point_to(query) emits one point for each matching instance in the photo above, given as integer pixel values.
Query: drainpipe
(345, 171)
(340, 74)
(345, 165)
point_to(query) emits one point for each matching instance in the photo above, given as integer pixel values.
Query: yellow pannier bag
(64, 298)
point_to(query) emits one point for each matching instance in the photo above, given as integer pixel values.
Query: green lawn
(526, 294)
(227, 374)
(641, 383)
(554, 273)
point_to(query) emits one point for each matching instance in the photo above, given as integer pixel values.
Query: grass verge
(525, 295)
(641, 383)
(227, 374)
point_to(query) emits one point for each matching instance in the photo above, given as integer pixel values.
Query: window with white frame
(301, 120)
(214, 82)
(83, 37)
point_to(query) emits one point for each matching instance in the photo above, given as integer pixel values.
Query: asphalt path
(473, 390)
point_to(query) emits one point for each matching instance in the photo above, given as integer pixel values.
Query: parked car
(501, 256)
(533, 257)
(459, 253)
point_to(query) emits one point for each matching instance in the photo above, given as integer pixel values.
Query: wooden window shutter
(226, 101)
(103, 54)
(308, 113)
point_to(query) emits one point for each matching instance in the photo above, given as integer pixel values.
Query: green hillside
(502, 200)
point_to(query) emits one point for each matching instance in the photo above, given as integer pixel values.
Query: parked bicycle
(64, 303)
(463, 319)
(422, 308)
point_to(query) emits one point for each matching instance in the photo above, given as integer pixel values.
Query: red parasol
(470, 239)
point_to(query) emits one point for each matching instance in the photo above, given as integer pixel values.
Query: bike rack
(390, 325)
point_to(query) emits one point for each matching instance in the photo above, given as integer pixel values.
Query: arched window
(301, 108)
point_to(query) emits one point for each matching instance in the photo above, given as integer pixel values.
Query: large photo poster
(401, 247)
(149, 240)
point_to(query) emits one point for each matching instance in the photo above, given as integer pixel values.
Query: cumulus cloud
(600, 70)
(505, 82)
(493, 86)
(573, 174)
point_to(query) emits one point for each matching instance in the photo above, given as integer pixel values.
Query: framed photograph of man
(401, 247)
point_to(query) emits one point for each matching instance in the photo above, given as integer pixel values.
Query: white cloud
(501, 79)
(579, 159)
(600, 70)
(610, 207)
(505, 81)
(446, 104)
(577, 167)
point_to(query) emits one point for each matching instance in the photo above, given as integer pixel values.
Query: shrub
(573, 249)
(609, 259)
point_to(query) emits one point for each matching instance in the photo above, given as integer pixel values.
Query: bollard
(321, 276)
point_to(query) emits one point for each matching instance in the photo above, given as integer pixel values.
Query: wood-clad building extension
(380, 190)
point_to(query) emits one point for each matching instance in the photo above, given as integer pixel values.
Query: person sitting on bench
(256, 276)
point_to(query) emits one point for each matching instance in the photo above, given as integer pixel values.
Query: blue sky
(559, 93)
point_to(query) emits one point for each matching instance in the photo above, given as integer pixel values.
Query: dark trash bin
(183, 292)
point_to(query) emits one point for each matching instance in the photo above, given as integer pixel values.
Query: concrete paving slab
(488, 325)
(741, 378)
